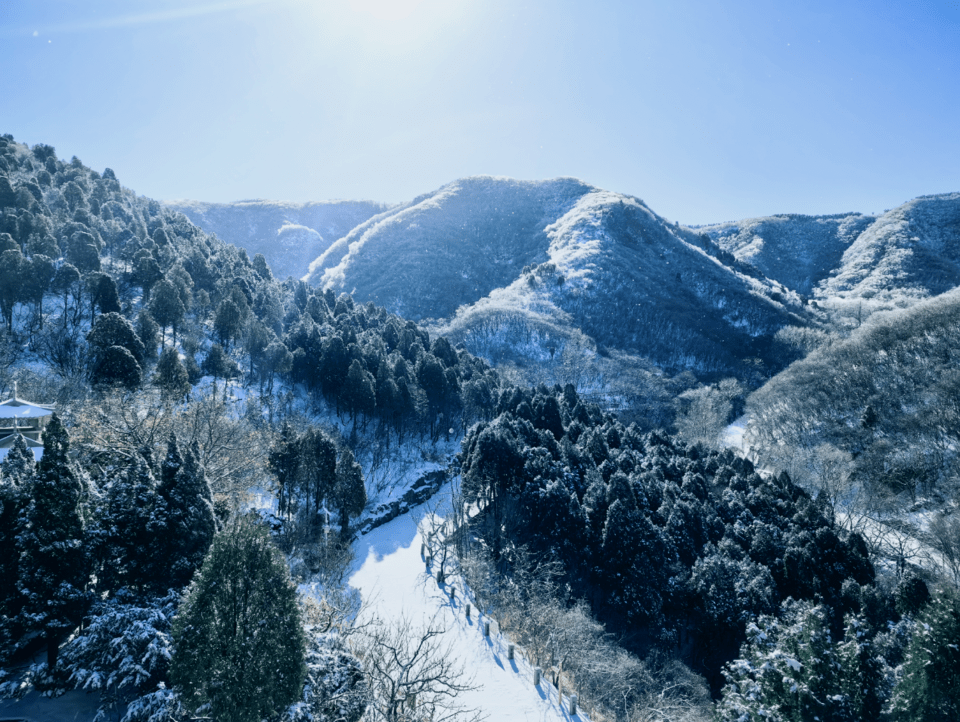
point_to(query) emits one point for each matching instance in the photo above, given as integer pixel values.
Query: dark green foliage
(15, 476)
(239, 642)
(116, 366)
(148, 332)
(218, 364)
(228, 321)
(673, 546)
(930, 686)
(54, 561)
(171, 376)
(349, 493)
(184, 523)
(166, 308)
(112, 329)
(791, 670)
(103, 293)
(129, 546)
(11, 283)
(911, 595)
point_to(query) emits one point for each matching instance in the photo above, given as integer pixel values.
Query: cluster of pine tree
(124, 278)
(67, 540)
(673, 547)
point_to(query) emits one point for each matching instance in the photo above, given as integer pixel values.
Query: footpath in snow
(392, 578)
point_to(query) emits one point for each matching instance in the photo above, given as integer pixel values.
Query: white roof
(6, 443)
(14, 408)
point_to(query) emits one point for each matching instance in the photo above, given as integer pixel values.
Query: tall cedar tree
(930, 686)
(15, 473)
(129, 547)
(184, 524)
(239, 640)
(54, 565)
(349, 493)
(171, 376)
(283, 460)
(317, 467)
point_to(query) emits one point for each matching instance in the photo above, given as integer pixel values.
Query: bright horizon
(707, 113)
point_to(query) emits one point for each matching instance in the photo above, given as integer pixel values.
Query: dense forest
(655, 574)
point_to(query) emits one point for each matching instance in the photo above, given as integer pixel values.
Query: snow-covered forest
(259, 498)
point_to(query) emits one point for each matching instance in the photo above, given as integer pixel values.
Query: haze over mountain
(289, 235)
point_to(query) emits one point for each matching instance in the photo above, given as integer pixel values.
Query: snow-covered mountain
(520, 268)
(798, 251)
(908, 253)
(523, 270)
(289, 235)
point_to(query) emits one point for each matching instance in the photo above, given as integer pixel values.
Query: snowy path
(391, 576)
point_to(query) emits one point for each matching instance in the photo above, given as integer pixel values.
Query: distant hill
(518, 269)
(908, 253)
(798, 251)
(289, 235)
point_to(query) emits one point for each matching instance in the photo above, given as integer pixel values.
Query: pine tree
(930, 686)
(54, 565)
(317, 467)
(15, 476)
(349, 493)
(238, 636)
(171, 376)
(184, 523)
(283, 460)
(129, 547)
(166, 307)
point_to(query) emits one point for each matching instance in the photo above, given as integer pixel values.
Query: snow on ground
(34, 707)
(733, 435)
(392, 578)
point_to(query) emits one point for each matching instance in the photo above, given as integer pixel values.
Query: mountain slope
(522, 268)
(798, 251)
(289, 235)
(908, 253)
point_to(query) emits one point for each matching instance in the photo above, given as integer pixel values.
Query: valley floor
(392, 579)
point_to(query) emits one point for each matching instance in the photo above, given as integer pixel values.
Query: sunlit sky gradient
(708, 111)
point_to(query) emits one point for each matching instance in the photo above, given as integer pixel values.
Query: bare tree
(413, 674)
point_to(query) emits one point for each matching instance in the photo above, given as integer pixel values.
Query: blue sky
(708, 111)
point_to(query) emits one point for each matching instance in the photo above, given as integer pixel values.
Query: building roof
(6, 443)
(14, 408)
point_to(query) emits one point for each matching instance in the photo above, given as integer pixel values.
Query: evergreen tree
(219, 365)
(239, 641)
(54, 566)
(171, 374)
(349, 494)
(129, 554)
(283, 461)
(184, 523)
(930, 686)
(112, 329)
(148, 332)
(116, 366)
(15, 473)
(103, 293)
(316, 467)
(11, 283)
(166, 307)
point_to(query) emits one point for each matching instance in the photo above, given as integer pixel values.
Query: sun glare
(385, 10)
